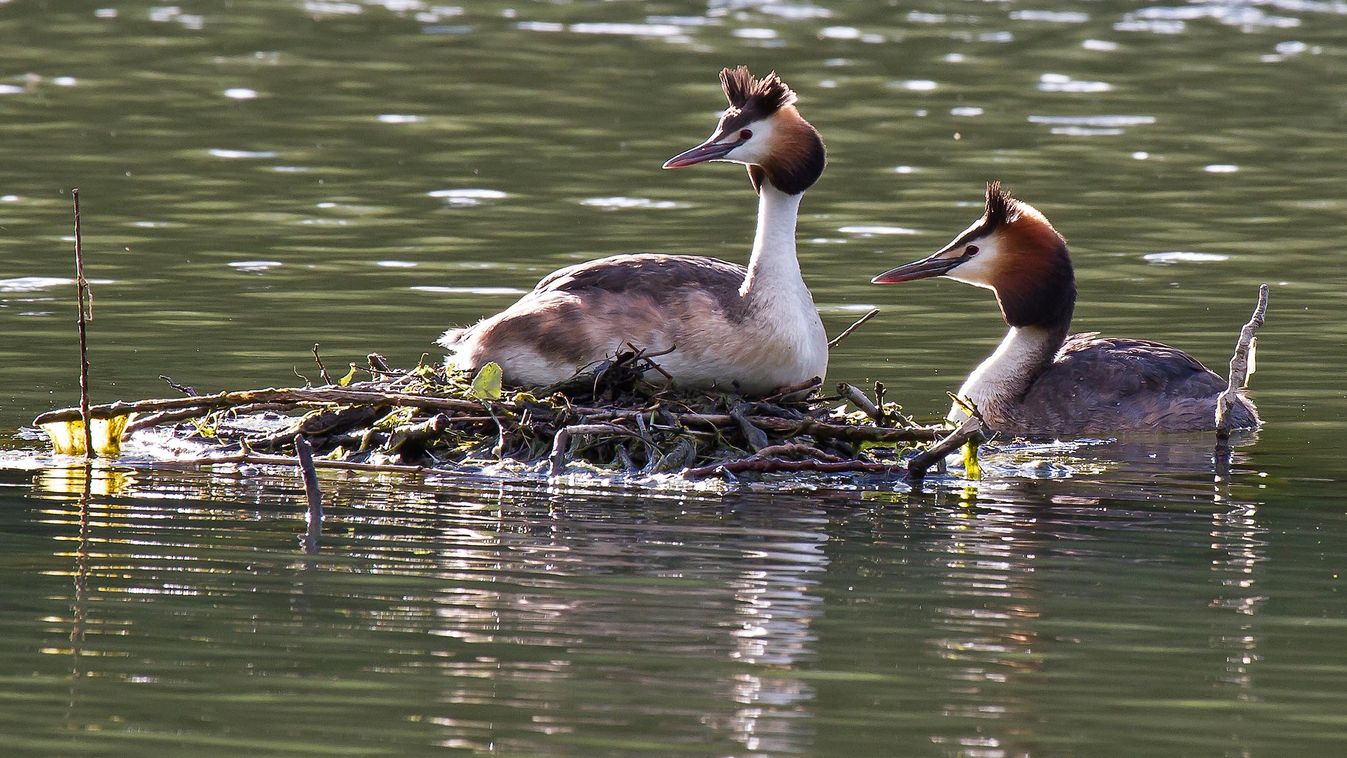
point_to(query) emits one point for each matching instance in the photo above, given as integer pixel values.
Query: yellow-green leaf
(971, 468)
(67, 437)
(346, 380)
(487, 384)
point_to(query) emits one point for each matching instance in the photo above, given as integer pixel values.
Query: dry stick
(847, 331)
(756, 438)
(764, 465)
(258, 459)
(1239, 365)
(792, 389)
(858, 398)
(183, 388)
(314, 496)
(322, 370)
(789, 427)
(81, 288)
(557, 461)
(971, 430)
(294, 395)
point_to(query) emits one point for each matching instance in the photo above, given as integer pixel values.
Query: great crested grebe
(1042, 382)
(754, 329)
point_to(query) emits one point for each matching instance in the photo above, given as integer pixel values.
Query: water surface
(260, 177)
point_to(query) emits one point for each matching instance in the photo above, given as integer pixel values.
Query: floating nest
(610, 420)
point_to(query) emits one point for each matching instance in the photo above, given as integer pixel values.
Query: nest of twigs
(610, 419)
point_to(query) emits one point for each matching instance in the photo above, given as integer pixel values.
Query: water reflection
(254, 189)
(515, 616)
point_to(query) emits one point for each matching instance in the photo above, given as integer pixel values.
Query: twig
(1239, 365)
(756, 438)
(883, 417)
(764, 465)
(81, 289)
(796, 448)
(314, 496)
(293, 395)
(557, 461)
(817, 429)
(183, 388)
(858, 398)
(258, 459)
(322, 370)
(378, 364)
(793, 389)
(856, 325)
(971, 430)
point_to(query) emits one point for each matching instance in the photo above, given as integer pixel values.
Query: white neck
(773, 263)
(1006, 375)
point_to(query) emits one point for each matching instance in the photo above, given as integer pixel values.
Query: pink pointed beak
(707, 151)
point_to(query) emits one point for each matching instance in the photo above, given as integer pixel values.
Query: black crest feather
(1001, 207)
(763, 96)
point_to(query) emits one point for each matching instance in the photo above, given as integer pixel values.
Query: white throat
(1004, 377)
(773, 262)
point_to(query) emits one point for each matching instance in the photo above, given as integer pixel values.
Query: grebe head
(763, 130)
(1012, 250)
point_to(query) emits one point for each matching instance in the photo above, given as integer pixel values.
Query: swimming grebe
(754, 329)
(1042, 382)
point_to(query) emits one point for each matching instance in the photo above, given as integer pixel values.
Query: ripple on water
(240, 93)
(319, 8)
(253, 266)
(540, 26)
(220, 152)
(1099, 45)
(39, 283)
(755, 33)
(1245, 16)
(917, 85)
(1091, 126)
(792, 11)
(399, 118)
(467, 197)
(875, 230)
(627, 30)
(1183, 256)
(621, 203)
(1051, 17)
(468, 290)
(1063, 83)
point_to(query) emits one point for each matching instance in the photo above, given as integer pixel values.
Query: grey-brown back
(1111, 385)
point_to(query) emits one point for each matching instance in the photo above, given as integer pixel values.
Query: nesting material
(610, 421)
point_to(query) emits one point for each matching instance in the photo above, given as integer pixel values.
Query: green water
(257, 177)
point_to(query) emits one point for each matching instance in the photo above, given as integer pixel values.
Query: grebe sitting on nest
(1042, 382)
(752, 329)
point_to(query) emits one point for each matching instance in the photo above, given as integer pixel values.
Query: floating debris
(609, 420)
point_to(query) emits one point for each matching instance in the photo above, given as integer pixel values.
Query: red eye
(970, 251)
(745, 135)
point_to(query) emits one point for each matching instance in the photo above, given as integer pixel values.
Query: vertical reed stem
(81, 293)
